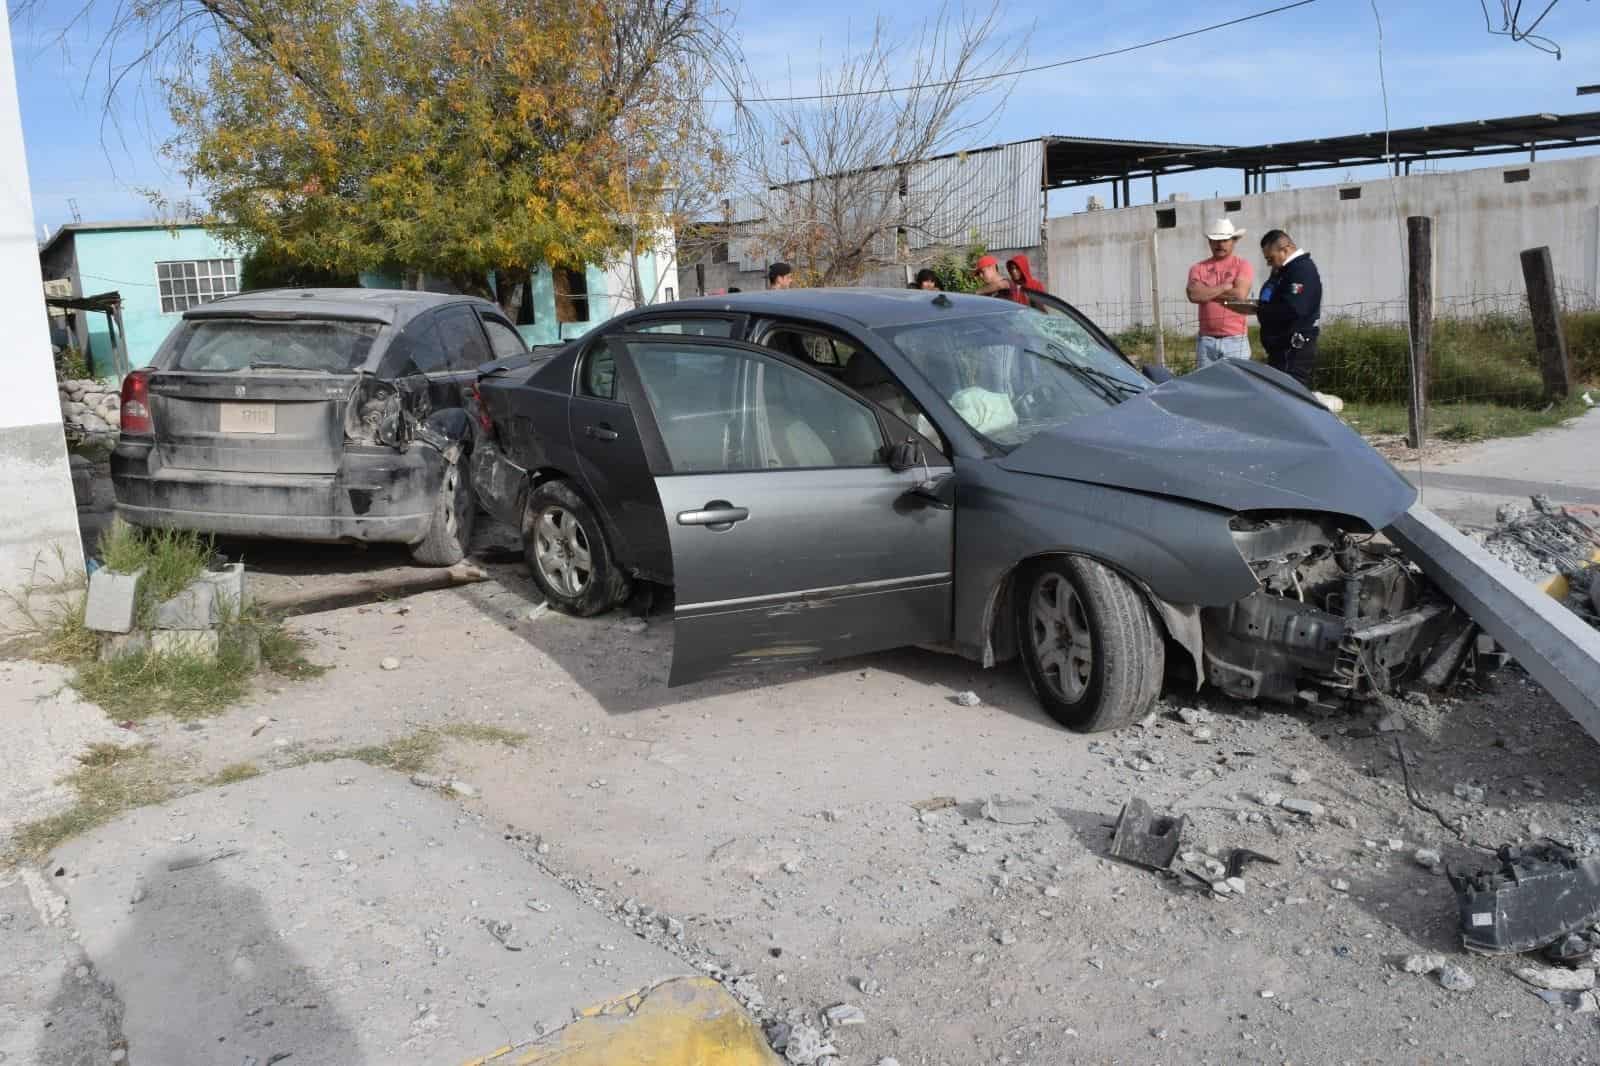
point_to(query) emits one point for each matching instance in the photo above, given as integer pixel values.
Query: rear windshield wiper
(268, 364)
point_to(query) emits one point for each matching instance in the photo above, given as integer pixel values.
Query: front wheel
(1089, 643)
(568, 554)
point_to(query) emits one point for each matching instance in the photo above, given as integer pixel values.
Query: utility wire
(1014, 73)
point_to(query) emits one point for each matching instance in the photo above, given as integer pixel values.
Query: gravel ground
(821, 836)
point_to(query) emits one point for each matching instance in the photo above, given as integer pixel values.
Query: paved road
(1563, 464)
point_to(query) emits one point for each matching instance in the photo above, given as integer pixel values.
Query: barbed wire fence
(1483, 348)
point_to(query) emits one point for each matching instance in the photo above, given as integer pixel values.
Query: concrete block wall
(1100, 260)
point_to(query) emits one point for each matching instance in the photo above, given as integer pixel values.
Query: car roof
(873, 308)
(393, 306)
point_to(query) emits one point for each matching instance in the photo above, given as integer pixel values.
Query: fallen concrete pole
(1555, 646)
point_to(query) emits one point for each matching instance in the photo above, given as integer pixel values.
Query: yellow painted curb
(687, 1021)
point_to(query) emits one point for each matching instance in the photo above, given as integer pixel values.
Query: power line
(1017, 73)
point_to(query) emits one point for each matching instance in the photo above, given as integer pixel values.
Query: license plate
(249, 418)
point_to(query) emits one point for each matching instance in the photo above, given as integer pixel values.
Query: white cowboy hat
(1223, 230)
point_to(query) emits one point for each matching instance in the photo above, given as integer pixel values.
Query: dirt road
(823, 832)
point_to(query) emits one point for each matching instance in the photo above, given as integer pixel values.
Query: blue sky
(1307, 73)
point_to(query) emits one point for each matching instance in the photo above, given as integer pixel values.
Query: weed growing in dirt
(233, 773)
(283, 650)
(170, 559)
(112, 780)
(138, 685)
(485, 734)
(415, 752)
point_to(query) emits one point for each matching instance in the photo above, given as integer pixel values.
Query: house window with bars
(192, 282)
(572, 295)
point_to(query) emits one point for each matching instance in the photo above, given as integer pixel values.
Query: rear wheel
(1089, 643)
(454, 514)
(567, 551)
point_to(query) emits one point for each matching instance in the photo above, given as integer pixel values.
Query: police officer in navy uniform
(1290, 307)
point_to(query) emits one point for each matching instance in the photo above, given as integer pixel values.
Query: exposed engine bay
(1338, 615)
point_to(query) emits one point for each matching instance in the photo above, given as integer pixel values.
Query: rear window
(224, 344)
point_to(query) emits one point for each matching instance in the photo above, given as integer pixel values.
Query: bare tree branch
(832, 183)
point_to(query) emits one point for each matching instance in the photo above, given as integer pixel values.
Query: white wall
(1100, 260)
(41, 516)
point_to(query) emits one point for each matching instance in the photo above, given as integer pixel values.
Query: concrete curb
(683, 1021)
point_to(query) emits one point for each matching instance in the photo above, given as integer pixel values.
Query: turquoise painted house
(159, 270)
(162, 270)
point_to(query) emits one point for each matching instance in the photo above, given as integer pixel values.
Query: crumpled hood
(1235, 435)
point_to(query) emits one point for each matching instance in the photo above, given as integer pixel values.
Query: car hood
(1235, 435)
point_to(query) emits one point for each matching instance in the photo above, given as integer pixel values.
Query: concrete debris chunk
(1428, 857)
(1422, 963)
(1008, 811)
(1469, 793)
(1194, 716)
(805, 1046)
(1557, 978)
(1299, 775)
(428, 780)
(1269, 799)
(388, 662)
(1309, 808)
(842, 1014)
(1455, 979)
(968, 699)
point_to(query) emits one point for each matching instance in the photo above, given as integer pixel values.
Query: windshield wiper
(268, 364)
(1127, 388)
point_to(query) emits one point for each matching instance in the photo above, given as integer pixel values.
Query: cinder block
(229, 585)
(116, 645)
(197, 642)
(113, 601)
(193, 608)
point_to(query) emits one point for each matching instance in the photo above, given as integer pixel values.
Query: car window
(503, 340)
(1013, 374)
(599, 377)
(721, 409)
(687, 327)
(228, 344)
(416, 350)
(827, 352)
(461, 338)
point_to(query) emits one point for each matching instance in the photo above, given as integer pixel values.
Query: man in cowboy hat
(1224, 333)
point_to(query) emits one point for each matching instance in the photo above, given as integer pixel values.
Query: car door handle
(714, 514)
(600, 432)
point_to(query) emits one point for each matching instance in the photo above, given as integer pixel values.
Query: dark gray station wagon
(823, 473)
(316, 414)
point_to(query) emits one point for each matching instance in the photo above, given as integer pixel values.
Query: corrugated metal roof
(995, 194)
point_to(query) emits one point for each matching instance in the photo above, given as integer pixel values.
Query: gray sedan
(830, 472)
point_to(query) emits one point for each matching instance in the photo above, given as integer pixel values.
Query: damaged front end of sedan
(1339, 615)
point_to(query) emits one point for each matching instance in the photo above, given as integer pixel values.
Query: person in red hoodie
(1022, 279)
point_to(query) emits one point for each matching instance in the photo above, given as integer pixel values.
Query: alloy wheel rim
(561, 551)
(1063, 647)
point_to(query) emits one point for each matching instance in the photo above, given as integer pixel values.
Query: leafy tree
(467, 139)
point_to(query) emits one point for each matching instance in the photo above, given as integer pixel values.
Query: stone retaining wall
(90, 408)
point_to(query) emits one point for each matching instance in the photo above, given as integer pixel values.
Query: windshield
(225, 344)
(1015, 374)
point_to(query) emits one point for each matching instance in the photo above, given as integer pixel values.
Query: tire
(455, 512)
(1089, 643)
(568, 553)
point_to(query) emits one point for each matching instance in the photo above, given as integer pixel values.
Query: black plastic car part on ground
(319, 415)
(823, 473)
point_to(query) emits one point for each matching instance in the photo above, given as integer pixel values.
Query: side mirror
(1157, 374)
(905, 455)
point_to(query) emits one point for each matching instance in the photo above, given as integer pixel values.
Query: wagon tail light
(481, 412)
(136, 421)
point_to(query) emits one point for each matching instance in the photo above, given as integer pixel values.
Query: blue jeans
(1208, 350)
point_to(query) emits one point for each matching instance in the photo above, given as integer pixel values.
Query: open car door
(794, 537)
